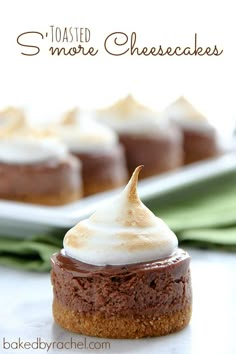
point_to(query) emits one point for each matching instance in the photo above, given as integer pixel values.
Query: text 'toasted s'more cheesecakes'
(121, 273)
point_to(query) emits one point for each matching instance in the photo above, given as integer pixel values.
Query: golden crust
(50, 200)
(120, 327)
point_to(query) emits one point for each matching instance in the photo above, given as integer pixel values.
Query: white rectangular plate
(19, 219)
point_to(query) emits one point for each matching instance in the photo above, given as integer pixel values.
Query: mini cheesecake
(121, 273)
(199, 137)
(147, 139)
(35, 167)
(97, 147)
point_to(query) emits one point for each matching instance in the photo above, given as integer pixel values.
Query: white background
(46, 85)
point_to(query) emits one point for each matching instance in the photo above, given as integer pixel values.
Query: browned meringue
(11, 119)
(124, 231)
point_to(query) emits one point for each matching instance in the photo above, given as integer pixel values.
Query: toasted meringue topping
(123, 231)
(127, 106)
(184, 113)
(128, 115)
(29, 149)
(20, 144)
(81, 133)
(11, 119)
(70, 117)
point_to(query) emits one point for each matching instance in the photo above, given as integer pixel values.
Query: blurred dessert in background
(10, 120)
(147, 139)
(52, 165)
(97, 146)
(35, 167)
(200, 137)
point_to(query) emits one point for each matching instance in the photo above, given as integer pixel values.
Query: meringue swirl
(11, 119)
(81, 133)
(27, 150)
(128, 115)
(123, 231)
(20, 144)
(186, 115)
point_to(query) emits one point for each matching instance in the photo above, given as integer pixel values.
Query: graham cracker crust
(120, 327)
(49, 200)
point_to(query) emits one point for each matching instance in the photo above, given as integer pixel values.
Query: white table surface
(25, 313)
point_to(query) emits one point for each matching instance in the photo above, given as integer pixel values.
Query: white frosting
(81, 133)
(123, 231)
(29, 149)
(128, 115)
(19, 144)
(186, 115)
(11, 119)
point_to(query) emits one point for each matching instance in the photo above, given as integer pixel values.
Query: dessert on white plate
(199, 136)
(35, 167)
(147, 138)
(97, 146)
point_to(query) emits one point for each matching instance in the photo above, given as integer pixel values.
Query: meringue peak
(123, 231)
(187, 109)
(131, 188)
(81, 132)
(70, 117)
(11, 120)
(127, 106)
(127, 210)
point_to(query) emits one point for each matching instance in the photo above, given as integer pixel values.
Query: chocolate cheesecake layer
(149, 289)
(158, 152)
(200, 144)
(50, 182)
(103, 170)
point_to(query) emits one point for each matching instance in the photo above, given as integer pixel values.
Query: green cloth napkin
(202, 215)
(29, 254)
